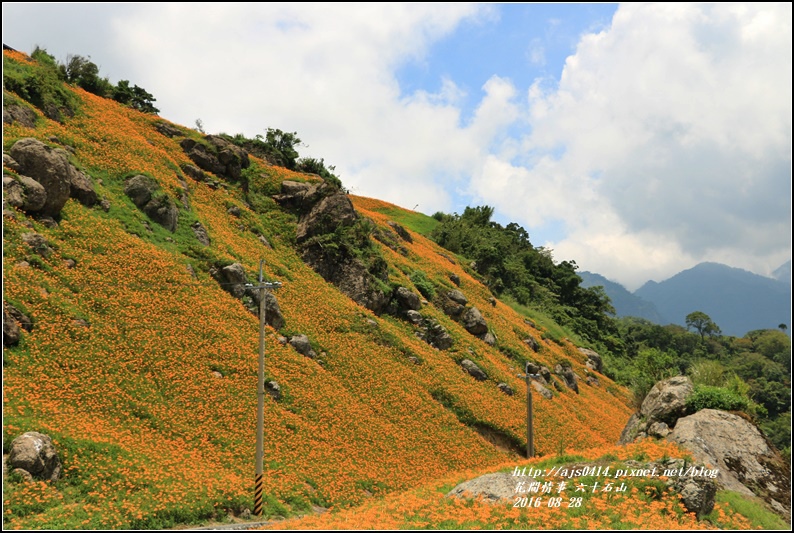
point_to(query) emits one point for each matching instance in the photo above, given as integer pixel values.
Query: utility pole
(260, 407)
(530, 430)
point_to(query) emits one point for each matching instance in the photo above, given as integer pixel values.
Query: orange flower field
(121, 368)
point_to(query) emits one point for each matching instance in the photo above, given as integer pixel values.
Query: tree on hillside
(703, 324)
(135, 97)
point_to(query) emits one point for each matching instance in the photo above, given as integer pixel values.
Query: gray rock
(140, 189)
(435, 334)
(48, 166)
(35, 453)
(303, 346)
(568, 376)
(474, 322)
(19, 114)
(473, 370)
(532, 343)
(593, 358)
(82, 189)
(658, 429)
(234, 211)
(632, 428)
(488, 338)
(326, 216)
(666, 401)
(201, 233)
(194, 172)
(273, 389)
(457, 297)
(169, 130)
(413, 317)
(13, 193)
(407, 299)
(532, 368)
(9, 162)
(490, 488)
(265, 242)
(38, 243)
(401, 231)
(545, 373)
(454, 278)
(737, 449)
(492, 301)
(505, 388)
(593, 381)
(543, 391)
(11, 331)
(232, 279)
(697, 494)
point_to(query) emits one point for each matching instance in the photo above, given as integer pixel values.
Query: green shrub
(709, 397)
(423, 285)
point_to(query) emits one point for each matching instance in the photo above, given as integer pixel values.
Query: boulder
(232, 279)
(34, 452)
(48, 166)
(532, 343)
(13, 193)
(545, 373)
(273, 389)
(273, 316)
(473, 370)
(407, 300)
(498, 487)
(593, 359)
(457, 297)
(303, 346)
(143, 191)
(413, 317)
(697, 494)
(488, 338)
(745, 461)
(634, 429)
(82, 189)
(169, 130)
(492, 301)
(505, 388)
(19, 114)
(543, 391)
(454, 278)
(399, 230)
(34, 193)
(326, 216)
(666, 401)
(9, 162)
(194, 172)
(435, 334)
(232, 158)
(11, 331)
(38, 243)
(201, 233)
(568, 376)
(474, 322)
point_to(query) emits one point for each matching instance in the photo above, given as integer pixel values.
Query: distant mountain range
(738, 301)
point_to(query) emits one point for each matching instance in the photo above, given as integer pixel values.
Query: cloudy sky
(636, 139)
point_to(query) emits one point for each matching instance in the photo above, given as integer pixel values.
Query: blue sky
(635, 139)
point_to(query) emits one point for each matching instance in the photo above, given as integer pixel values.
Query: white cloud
(667, 141)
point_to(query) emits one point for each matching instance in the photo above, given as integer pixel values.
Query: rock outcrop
(50, 167)
(736, 448)
(473, 370)
(491, 488)
(233, 279)
(145, 194)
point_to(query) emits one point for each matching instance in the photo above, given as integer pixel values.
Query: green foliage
(317, 166)
(510, 265)
(135, 97)
(423, 285)
(702, 323)
(707, 372)
(84, 73)
(38, 83)
(751, 508)
(708, 397)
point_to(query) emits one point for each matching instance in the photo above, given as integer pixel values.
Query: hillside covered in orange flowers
(142, 367)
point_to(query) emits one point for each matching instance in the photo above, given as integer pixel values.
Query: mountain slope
(624, 302)
(145, 375)
(736, 300)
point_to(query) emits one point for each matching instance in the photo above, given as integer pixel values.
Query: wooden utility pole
(530, 429)
(260, 406)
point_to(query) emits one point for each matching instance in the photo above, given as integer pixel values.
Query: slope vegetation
(143, 368)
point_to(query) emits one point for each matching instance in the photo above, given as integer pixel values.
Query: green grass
(751, 508)
(413, 220)
(551, 330)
